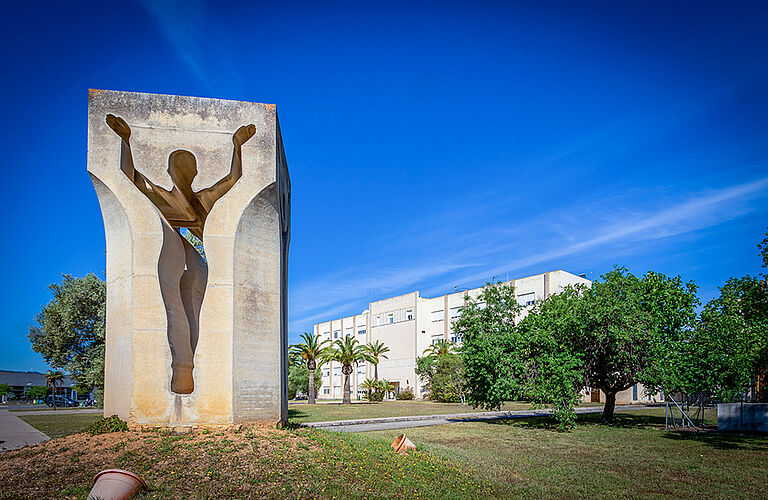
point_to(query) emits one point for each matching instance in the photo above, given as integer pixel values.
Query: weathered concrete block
(192, 340)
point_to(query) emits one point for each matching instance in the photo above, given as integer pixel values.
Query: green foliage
(5, 389)
(730, 344)
(494, 367)
(106, 425)
(440, 348)
(311, 351)
(443, 375)
(406, 394)
(298, 380)
(376, 390)
(69, 331)
(347, 352)
(372, 392)
(609, 336)
(194, 241)
(36, 392)
(376, 350)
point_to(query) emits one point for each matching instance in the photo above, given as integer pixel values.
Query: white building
(409, 323)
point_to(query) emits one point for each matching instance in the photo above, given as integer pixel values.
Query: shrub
(406, 394)
(106, 425)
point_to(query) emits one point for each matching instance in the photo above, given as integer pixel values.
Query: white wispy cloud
(199, 45)
(492, 250)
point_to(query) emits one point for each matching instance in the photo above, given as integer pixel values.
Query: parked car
(61, 401)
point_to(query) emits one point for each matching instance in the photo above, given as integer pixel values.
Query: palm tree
(346, 352)
(376, 351)
(311, 351)
(385, 386)
(51, 379)
(440, 348)
(370, 386)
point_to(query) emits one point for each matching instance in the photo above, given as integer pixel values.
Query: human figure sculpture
(182, 270)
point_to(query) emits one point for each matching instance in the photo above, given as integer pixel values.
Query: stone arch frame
(138, 362)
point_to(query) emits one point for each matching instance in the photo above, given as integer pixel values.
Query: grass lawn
(62, 424)
(324, 412)
(251, 463)
(60, 408)
(633, 458)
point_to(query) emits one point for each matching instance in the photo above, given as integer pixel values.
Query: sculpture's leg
(193, 283)
(170, 270)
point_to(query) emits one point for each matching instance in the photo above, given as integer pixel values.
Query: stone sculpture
(189, 340)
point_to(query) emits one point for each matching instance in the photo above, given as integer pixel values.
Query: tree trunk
(376, 372)
(346, 389)
(610, 404)
(311, 395)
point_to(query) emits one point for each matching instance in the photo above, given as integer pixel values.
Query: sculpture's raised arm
(210, 195)
(123, 131)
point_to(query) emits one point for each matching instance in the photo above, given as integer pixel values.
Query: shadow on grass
(620, 420)
(708, 436)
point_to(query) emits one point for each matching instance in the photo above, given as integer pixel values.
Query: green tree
(298, 381)
(610, 337)
(624, 327)
(312, 352)
(36, 392)
(384, 387)
(443, 375)
(371, 386)
(69, 330)
(730, 345)
(376, 350)
(347, 352)
(440, 348)
(5, 389)
(494, 365)
(52, 379)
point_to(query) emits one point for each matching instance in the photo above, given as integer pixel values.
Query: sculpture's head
(182, 167)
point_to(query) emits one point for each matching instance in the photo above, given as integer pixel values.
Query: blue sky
(430, 146)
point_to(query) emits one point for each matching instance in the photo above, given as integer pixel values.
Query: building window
(527, 299)
(409, 315)
(436, 340)
(348, 331)
(634, 393)
(336, 334)
(327, 372)
(361, 332)
(337, 371)
(326, 391)
(481, 305)
(437, 315)
(390, 318)
(455, 312)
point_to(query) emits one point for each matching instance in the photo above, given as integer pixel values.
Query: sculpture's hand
(119, 126)
(243, 134)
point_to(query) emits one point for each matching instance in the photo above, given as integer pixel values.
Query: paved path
(62, 411)
(380, 424)
(16, 433)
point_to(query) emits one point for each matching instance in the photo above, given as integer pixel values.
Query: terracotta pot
(402, 444)
(116, 484)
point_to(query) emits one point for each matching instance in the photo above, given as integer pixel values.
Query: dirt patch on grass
(201, 464)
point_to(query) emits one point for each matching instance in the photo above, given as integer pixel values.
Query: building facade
(408, 324)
